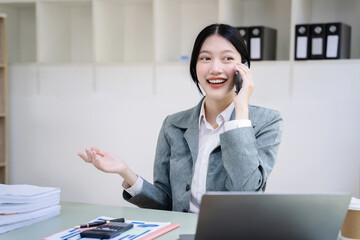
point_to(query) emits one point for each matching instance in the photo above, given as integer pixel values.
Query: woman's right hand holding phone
(109, 163)
(241, 100)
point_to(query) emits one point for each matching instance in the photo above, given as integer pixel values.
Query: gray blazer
(242, 161)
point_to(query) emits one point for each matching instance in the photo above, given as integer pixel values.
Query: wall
(57, 110)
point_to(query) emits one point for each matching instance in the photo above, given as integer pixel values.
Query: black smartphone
(238, 80)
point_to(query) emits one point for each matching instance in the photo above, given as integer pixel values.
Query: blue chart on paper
(140, 229)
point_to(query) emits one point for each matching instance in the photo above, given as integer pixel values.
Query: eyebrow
(225, 51)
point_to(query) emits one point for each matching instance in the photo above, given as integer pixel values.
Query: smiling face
(215, 68)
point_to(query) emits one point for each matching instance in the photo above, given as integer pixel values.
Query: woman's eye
(204, 58)
(228, 58)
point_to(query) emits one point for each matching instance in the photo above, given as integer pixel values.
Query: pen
(97, 223)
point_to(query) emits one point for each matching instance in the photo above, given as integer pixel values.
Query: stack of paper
(22, 205)
(354, 204)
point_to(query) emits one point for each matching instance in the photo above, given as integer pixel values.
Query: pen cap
(118, 220)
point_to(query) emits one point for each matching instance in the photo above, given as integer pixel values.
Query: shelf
(177, 25)
(3, 91)
(2, 140)
(270, 13)
(2, 174)
(21, 30)
(178, 22)
(64, 31)
(137, 31)
(3, 100)
(3, 53)
(123, 31)
(325, 11)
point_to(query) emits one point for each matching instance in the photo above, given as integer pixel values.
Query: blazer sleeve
(157, 195)
(249, 153)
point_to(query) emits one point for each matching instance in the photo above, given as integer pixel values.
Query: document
(22, 193)
(18, 217)
(27, 207)
(13, 226)
(141, 231)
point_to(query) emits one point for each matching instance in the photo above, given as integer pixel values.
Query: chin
(219, 95)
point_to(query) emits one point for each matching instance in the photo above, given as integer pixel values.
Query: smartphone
(238, 80)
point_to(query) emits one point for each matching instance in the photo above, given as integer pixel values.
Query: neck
(214, 107)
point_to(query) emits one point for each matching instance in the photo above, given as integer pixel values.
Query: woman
(222, 144)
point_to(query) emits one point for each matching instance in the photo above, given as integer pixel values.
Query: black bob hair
(224, 30)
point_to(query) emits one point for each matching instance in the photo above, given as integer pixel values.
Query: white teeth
(217, 81)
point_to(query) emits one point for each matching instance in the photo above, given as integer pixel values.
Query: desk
(73, 214)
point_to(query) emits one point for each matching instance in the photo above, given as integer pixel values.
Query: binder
(262, 43)
(302, 37)
(317, 41)
(338, 40)
(244, 32)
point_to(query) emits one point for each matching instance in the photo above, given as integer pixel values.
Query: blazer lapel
(191, 136)
(189, 121)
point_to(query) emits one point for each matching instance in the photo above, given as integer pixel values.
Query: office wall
(58, 110)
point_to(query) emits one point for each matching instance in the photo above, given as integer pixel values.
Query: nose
(216, 67)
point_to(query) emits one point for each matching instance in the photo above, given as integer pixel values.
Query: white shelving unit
(177, 23)
(271, 13)
(324, 11)
(123, 31)
(21, 33)
(155, 31)
(64, 31)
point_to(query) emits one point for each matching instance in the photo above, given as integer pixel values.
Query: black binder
(302, 41)
(244, 32)
(338, 40)
(317, 41)
(262, 43)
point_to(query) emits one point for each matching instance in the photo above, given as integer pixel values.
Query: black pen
(98, 223)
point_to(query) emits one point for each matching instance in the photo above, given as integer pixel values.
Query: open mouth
(216, 81)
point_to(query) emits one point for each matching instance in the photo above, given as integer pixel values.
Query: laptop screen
(241, 215)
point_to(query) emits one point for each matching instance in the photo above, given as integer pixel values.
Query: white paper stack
(22, 205)
(354, 204)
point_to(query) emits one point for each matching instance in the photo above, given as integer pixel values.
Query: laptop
(243, 215)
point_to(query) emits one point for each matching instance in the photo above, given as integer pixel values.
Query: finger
(98, 151)
(89, 155)
(245, 72)
(83, 156)
(96, 161)
(243, 66)
(93, 155)
(241, 70)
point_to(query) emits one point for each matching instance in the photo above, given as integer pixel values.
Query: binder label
(255, 48)
(332, 46)
(317, 46)
(301, 48)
